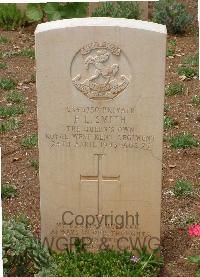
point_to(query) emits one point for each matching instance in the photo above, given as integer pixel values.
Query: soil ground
(178, 164)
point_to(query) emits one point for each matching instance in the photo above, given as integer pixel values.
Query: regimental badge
(102, 78)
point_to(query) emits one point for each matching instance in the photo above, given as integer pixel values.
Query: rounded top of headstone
(101, 22)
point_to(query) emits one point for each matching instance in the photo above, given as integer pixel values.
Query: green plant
(174, 89)
(104, 263)
(118, 9)
(183, 141)
(3, 40)
(172, 42)
(8, 191)
(34, 12)
(189, 220)
(196, 100)
(183, 188)
(181, 219)
(55, 11)
(30, 53)
(9, 125)
(170, 52)
(10, 17)
(188, 72)
(11, 111)
(9, 54)
(192, 60)
(3, 65)
(168, 122)
(195, 260)
(167, 107)
(34, 163)
(172, 14)
(23, 255)
(7, 84)
(15, 97)
(171, 48)
(30, 141)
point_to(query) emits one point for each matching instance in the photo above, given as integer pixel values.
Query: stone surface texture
(100, 86)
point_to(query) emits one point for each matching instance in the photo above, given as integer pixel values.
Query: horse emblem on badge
(101, 78)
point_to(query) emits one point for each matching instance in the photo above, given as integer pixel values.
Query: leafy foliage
(23, 255)
(170, 52)
(34, 12)
(183, 188)
(34, 163)
(192, 60)
(196, 100)
(8, 191)
(172, 43)
(3, 40)
(169, 122)
(172, 14)
(55, 11)
(195, 260)
(15, 97)
(188, 72)
(174, 89)
(167, 107)
(3, 65)
(103, 263)
(183, 141)
(9, 54)
(9, 125)
(10, 17)
(30, 53)
(11, 111)
(189, 66)
(118, 9)
(7, 84)
(30, 141)
(171, 48)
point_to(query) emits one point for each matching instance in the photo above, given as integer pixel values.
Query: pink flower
(194, 230)
(135, 259)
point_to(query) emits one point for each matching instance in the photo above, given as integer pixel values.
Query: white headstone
(100, 85)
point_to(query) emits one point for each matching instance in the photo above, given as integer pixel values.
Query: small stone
(15, 159)
(25, 87)
(172, 165)
(182, 78)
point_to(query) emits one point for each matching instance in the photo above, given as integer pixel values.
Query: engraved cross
(99, 178)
